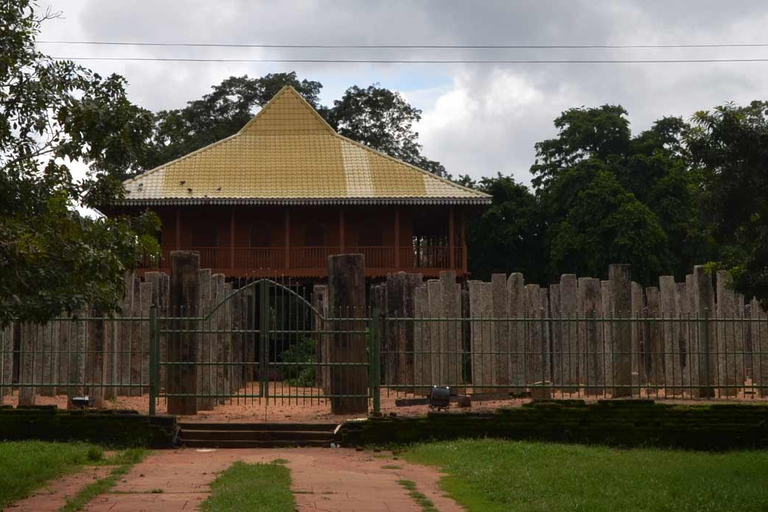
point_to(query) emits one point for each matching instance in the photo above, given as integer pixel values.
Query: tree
(219, 114)
(53, 259)
(506, 237)
(730, 145)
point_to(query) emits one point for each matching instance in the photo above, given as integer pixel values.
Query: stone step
(252, 444)
(256, 435)
(274, 427)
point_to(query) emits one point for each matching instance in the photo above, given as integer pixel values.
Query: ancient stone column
(606, 334)
(451, 345)
(481, 310)
(704, 307)
(182, 346)
(6, 360)
(590, 335)
(422, 363)
(683, 306)
(226, 341)
(639, 330)
(436, 331)
(729, 337)
(536, 353)
(670, 331)
(759, 329)
(27, 359)
(96, 342)
(322, 350)
(205, 343)
(620, 280)
(572, 362)
(516, 300)
(346, 280)
(655, 349)
(76, 356)
(500, 329)
(48, 357)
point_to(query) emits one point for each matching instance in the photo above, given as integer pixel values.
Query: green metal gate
(264, 342)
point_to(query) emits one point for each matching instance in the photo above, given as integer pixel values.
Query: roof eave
(180, 201)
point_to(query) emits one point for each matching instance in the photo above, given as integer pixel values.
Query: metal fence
(294, 354)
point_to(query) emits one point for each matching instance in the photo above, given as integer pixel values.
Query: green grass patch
(495, 476)
(252, 487)
(27, 465)
(424, 502)
(124, 461)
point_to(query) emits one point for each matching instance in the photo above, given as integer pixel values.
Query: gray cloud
(477, 119)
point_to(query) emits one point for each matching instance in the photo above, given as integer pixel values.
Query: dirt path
(54, 496)
(323, 479)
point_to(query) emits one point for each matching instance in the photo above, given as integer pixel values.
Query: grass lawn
(27, 465)
(252, 487)
(493, 475)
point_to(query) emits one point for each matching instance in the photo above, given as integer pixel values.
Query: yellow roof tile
(288, 154)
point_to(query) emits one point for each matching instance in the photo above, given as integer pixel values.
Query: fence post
(153, 362)
(374, 360)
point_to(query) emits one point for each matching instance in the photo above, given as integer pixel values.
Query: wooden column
(397, 238)
(451, 240)
(287, 238)
(178, 228)
(346, 282)
(464, 255)
(232, 239)
(342, 239)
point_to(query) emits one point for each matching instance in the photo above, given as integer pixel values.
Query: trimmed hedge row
(620, 423)
(109, 427)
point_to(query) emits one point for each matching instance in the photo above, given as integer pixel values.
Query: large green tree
(52, 258)
(730, 146)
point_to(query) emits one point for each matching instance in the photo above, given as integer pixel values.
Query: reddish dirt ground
(54, 496)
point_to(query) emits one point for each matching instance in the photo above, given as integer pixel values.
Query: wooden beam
(342, 230)
(397, 238)
(232, 238)
(178, 228)
(287, 237)
(464, 255)
(451, 236)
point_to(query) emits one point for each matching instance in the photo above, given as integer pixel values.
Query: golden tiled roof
(288, 154)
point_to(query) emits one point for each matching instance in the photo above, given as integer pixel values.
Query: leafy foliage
(52, 257)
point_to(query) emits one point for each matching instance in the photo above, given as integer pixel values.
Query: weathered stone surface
(703, 298)
(639, 333)
(607, 332)
(422, 364)
(451, 345)
(654, 357)
(536, 350)
(481, 308)
(619, 278)
(516, 300)
(182, 347)
(436, 331)
(729, 337)
(322, 350)
(573, 356)
(760, 347)
(590, 334)
(27, 370)
(500, 330)
(205, 342)
(346, 281)
(76, 359)
(669, 310)
(6, 360)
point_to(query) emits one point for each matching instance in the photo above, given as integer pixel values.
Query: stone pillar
(639, 332)
(95, 347)
(451, 344)
(559, 330)
(6, 360)
(481, 308)
(619, 278)
(590, 336)
(76, 356)
(182, 347)
(683, 306)
(205, 342)
(394, 330)
(759, 347)
(27, 359)
(346, 280)
(729, 337)
(517, 330)
(654, 359)
(322, 348)
(407, 344)
(435, 331)
(536, 353)
(48, 358)
(224, 353)
(669, 312)
(572, 362)
(704, 306)
(160, 283)
(422, 363)
(606, 334)
(500, 329)
(123, 335)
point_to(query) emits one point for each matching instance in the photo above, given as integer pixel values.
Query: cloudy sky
(477, 119)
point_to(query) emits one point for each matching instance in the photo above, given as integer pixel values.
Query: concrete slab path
(324, 479)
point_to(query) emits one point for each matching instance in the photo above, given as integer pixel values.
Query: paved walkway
(325, 479)
(55, 495)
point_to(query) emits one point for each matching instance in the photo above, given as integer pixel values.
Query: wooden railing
(386, 259)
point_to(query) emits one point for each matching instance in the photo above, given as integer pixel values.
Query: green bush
(299, 367)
